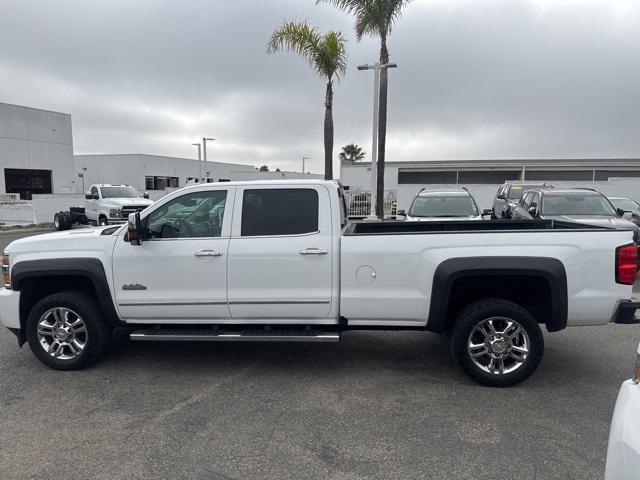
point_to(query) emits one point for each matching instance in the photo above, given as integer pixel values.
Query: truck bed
(451, 226)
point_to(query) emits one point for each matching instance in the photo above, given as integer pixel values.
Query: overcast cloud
(476, 78)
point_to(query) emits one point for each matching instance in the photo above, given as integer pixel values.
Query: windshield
(120, 192)
(625, 204)
(516, 191)
(443, 206)
(577, 205)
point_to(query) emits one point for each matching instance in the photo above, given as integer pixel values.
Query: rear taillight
(626, 264)
(6, 275)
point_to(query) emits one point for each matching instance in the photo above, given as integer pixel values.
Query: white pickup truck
(105, 204)
(268, 261)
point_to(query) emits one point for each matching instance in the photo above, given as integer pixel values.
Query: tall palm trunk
(328, 132)
(382, 125)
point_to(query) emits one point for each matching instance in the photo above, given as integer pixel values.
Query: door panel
(180, 273)
(281, 254)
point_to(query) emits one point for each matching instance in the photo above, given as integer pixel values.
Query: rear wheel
(66, 331)
(497, 343)
(61, 222)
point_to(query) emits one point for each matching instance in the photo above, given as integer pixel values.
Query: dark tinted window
(286, 211)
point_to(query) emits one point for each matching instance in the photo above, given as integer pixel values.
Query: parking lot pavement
(376, 405)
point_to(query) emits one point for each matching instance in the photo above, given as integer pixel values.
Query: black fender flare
(445, 275)
(89, 268)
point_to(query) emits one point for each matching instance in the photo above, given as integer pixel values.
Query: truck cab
(111, 204)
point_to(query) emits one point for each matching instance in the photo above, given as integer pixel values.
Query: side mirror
(401, 213)
(145, 195)
(635, 214)
(135, 229)
(533, 211)
(88, 196)
(95, 196)
(620, 212)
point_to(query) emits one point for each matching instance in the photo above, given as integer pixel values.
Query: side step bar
(210, 335)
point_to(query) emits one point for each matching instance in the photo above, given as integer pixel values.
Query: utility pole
(303, 159)
(199, 161)
(376, 67)
(204, 144)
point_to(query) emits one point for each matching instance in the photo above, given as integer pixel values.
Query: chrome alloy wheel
(498, 345)
(62, 333)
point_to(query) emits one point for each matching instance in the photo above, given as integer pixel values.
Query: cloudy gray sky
(476, 78)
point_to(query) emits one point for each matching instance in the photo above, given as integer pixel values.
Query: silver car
(450, 204)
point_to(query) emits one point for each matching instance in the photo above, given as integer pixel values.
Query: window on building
(487, 177)
(606, 174)
(567, 175)
(291, 211)
(422, 178)
(160, 183)
(27, 182)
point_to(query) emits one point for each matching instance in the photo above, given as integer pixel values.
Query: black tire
(96, 338)
(58, 221)
(472, 316)
(68, 220)
(102, 221)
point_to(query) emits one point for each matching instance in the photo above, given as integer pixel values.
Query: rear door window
(279, 211)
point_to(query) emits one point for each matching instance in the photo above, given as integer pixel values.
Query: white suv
(450, 204)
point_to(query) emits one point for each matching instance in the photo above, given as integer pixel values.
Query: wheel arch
(514, 272)
(37, 279)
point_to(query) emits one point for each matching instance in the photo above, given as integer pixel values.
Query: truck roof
(302, 181)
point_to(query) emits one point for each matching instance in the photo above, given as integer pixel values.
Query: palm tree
(352, 153)
(327, 55)
(376, 18)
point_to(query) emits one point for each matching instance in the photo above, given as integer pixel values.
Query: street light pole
(204, 144)
(199, 160)
(376, 67)
(303, 159)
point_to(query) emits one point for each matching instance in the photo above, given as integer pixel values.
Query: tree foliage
(352, 153)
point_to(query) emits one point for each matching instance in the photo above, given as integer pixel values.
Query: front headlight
(6, 274)
(114, 213)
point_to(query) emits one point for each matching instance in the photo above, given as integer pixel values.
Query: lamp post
(199, 160)
(204, 145)
(376, 67)
(303, 159)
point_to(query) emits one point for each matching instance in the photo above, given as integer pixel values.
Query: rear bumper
(623, 453)
(625, 312)
(10, 308)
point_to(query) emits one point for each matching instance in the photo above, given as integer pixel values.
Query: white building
(157, 172)
(36, 151)
(611, 176)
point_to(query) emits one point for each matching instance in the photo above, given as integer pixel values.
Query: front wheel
(66, 330)
(497, 343)
(102, 221)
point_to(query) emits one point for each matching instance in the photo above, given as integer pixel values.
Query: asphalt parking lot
(376, 405)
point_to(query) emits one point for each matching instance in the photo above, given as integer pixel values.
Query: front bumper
(625, 312)
(623, 454)
(10, 308)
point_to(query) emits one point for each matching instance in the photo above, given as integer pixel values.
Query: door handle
(208, 253)
(313, 251)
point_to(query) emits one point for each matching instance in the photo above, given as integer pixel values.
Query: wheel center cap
(61, 334)
(498, 346)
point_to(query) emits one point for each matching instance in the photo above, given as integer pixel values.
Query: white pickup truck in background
(268, 261)
(105, 204)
